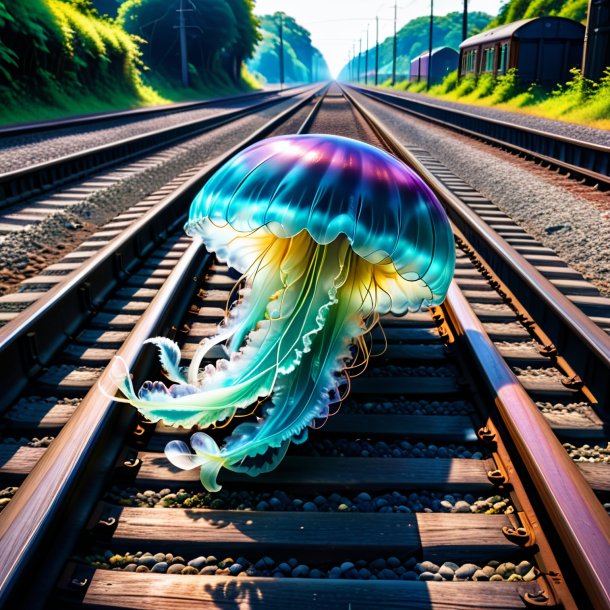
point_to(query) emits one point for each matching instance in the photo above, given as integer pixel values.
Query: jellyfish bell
(329, 234)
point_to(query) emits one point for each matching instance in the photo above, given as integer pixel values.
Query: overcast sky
(336, 24)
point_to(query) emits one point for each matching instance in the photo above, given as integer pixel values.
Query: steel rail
(67, 480)
(582, 342)
(20, 129)
(24, 183)
(584, 159)
(29, 341)
(577, 515)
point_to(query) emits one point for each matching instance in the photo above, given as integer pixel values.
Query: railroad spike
(572, 383)
(486, 435)
(549, 350)
(519, 535)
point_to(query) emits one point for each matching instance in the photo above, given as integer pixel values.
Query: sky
(335, 25)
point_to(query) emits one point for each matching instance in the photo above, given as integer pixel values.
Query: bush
(465, 86)
(506, 87)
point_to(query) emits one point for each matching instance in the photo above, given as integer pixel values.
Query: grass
(578, 101)
(65, 61)
(56, 102)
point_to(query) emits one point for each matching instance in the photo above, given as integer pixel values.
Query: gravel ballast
(396, 449)
(381, 568)
(280, 501)
(96, 209)
(535, 203)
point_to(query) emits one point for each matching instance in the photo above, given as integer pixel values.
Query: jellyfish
(329, 234)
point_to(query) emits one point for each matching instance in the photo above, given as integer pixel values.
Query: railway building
(444, 60)
(543, 50)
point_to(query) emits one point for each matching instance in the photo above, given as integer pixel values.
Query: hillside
(514, 10)
(302, 61)
(64, 57)
(412, 39)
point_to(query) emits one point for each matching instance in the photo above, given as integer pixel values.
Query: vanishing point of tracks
(441, 483)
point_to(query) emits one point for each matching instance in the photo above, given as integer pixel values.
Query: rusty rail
(573, 333)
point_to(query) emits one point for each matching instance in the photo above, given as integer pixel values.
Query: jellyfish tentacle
(302, 394)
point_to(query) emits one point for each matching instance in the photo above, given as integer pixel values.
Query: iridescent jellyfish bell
(329, 234)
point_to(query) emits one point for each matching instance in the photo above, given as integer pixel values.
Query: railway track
(441, 467)
(582, 160)
(38, 179)
(45, 127)
(98, 193)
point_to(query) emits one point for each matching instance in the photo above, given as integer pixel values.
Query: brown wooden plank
(135, 294)
(482, 296)
(449, 428)
(452, 536)
(88, 356)
(124, 306)
(16, 461)
(70, 380)
(544, 388)
(415, 353)
(316, 473)
(422, 319)
(395, 334)
(405, 386)
(110, 589)
(597, 475)
(105, 338)
(114, 321)
(43, 417)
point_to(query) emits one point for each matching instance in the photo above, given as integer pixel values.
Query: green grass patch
(577, 101)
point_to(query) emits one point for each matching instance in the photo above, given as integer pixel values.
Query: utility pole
(183, 51)
(376, 51)
(366, 57)
(394, 49)
(430, 44)
(353, 61)
(465, 21)
(596, 55)
(281, 51)
(359, 56)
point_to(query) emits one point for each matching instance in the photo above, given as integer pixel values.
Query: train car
(543, 50)
(444, 60)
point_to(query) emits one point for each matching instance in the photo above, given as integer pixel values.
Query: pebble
(343, 447)
(235, 569)
(334, 502)
(466, 571)
(198, 562)
(446, 572)
(381, 568)
(301, 571)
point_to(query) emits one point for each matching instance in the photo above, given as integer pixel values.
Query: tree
(211, 30)
(248, 35)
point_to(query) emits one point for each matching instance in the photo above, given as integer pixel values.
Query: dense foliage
(220, 34)
(75, 56)
(513, 10)
(302, 61)
(412, 39)
(53, 51)
(580, 100)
